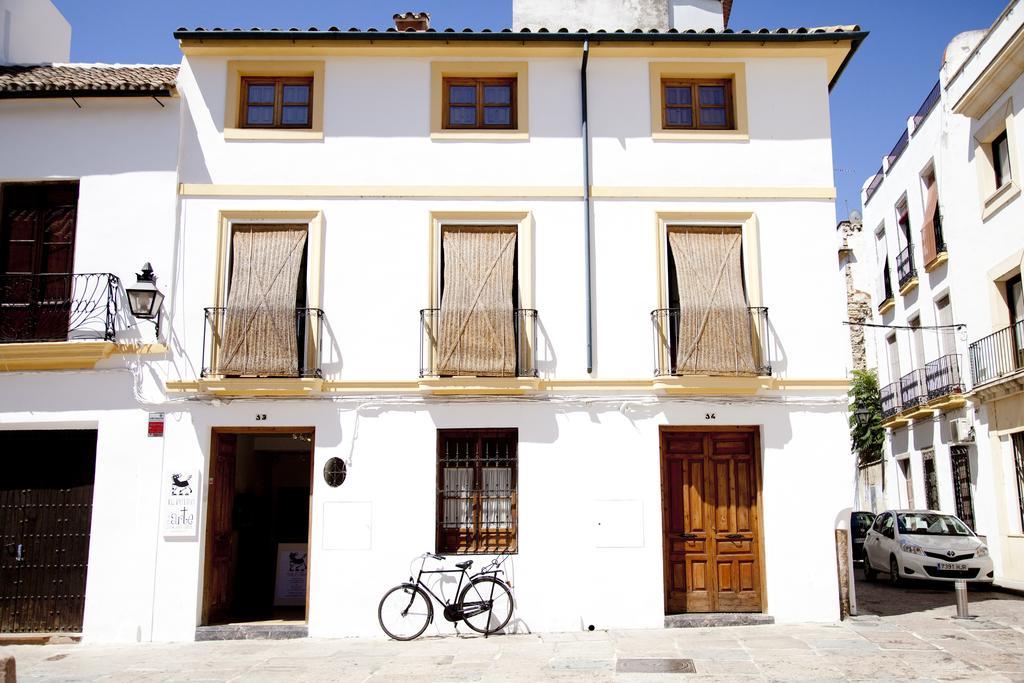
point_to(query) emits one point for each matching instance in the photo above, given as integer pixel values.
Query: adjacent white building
(941, 240)
(426, 292)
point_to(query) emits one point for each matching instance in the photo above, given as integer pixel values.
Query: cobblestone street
(902, 635)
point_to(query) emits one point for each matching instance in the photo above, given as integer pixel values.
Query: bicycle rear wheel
(488, 604)
(404, 612)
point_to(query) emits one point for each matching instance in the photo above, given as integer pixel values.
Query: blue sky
(887, 81)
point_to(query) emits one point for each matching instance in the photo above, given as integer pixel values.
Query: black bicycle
(485, 603)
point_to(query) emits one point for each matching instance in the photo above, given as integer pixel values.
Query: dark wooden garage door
(710, 491)
(46, 486)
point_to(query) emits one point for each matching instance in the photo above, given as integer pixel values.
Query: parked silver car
(924, 544)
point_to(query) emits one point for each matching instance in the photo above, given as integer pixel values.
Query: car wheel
(894, 571)
(870, 573)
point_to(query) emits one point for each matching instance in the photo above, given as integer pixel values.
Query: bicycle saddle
(464, 565)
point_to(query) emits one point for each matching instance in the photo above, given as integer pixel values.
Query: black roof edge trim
(65, 94)
(535, 36)
(854, 46)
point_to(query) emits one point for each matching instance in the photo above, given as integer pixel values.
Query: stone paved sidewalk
(904, 635)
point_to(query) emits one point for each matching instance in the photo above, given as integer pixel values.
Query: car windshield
(931, 524)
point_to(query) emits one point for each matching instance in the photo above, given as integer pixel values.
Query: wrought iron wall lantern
(863, 415)
(144, 299)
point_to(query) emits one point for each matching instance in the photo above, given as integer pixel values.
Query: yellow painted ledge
(714, 386)
(917, 412)
(937, 262)
(77, 355)
(249, 387)
(480, 386)
(909, 287)
(895, 421)
(886, 306)
(951, 402)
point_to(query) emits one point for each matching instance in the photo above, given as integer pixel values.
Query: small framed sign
(180, 502)
(156, 424)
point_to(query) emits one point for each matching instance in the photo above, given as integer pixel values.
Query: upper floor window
(1001, 159)
(474, 103)
(276, 102)
(697, 104)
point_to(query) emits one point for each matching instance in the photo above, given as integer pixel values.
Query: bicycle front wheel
(404, 612)
(487, 603)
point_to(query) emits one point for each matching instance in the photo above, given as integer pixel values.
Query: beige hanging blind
(476, 336)
(260, 328)
(929, 247)
(715, 330)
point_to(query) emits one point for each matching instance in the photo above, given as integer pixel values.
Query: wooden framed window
(706, 104)
(479, 103)
(477, 499)
(1001, 159)
(276, 102)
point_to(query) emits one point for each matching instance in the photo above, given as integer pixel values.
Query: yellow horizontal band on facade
(940, 259)
(494, 386)
(272, 134)
(908, 287)
(378, 192)
(810, 193)
(76, 355)
(503, 192)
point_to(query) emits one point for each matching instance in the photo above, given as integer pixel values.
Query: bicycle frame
(452, 611)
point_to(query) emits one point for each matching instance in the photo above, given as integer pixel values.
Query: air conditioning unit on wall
(961, 430)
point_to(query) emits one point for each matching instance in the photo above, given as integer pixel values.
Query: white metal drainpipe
(587, 238)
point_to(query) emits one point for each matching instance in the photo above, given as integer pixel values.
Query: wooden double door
(46, 489)
(711, 488)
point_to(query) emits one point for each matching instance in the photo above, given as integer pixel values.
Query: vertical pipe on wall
(585, 134)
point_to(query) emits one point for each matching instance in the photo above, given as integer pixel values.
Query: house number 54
(710, 416)
(260, 417)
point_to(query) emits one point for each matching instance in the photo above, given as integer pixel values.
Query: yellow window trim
(239, 68)
(1002, 119)
(518, 70)
(68, 355)
(735, 71)
(909, 286)
(250, 387)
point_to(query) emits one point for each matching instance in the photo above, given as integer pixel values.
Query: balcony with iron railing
(256, 345)
(458, 353)
(997, 362)
(906, 271)
(58, 307)
(687, 348)
(935, 387)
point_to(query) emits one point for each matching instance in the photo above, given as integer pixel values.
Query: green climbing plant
(869, 438)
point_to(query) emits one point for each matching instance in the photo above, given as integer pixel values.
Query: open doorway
(257, 529)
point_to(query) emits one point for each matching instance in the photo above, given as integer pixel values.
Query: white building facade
(419, 299)
(939, 242)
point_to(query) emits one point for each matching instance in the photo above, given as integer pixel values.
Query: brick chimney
(415, 21)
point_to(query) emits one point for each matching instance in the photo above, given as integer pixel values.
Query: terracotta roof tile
(86, 80)
(289, 33)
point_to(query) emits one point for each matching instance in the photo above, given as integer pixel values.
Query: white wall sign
(290, 584)
(180, 497)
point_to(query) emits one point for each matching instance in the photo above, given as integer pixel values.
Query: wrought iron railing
(940, 240)
(886, 288)
(905, 269)
(928, 104)
(891, 400)
(61, 307)
(901, 146)
(943, 377)
(913, 389)
(220, 361)
(872, 188)
(666, 323)
(998, 354)
(524, 331)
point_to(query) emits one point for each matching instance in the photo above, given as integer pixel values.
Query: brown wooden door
(45, 520)
(37, 240)
(220, 537)
(710, 492)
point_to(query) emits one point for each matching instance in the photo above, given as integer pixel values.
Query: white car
(924, 544)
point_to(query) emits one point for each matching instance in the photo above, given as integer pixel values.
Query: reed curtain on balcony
(929, 248)
(477, 336)
(714, 321)
(260, 326)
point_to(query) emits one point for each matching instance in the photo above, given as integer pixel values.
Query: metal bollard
(962, 611)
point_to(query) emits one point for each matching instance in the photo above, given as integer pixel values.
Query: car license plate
(952, 567)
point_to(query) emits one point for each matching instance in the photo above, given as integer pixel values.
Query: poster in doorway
(290, 584)
(181, 503)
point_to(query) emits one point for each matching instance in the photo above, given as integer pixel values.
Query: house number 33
(260, 417)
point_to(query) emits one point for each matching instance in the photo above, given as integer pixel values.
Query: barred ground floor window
(1018, 464)
(477, 497)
